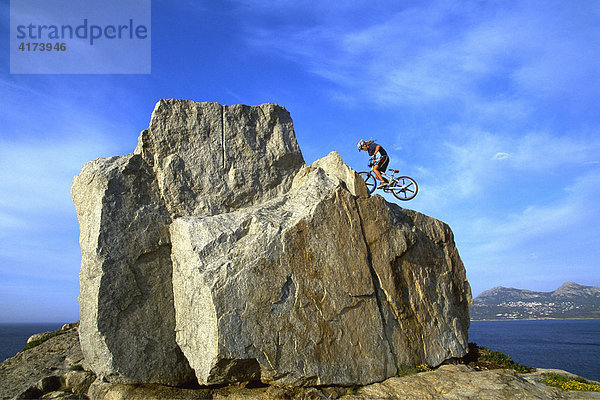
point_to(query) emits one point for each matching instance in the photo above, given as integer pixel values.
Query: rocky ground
(56, 370)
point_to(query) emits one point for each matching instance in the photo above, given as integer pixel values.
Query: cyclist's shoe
(382, 185)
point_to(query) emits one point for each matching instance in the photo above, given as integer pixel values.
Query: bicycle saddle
(394, 170)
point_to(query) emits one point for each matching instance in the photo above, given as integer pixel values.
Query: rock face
(208, 158)
(275, 291)
(126, 204)
(126, 299)
(214, 254)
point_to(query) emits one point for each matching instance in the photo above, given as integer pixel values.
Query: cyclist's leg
(383, 181)
(384, 163)
(381, 167)
(377, 171)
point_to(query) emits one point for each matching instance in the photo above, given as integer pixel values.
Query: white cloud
(541, 151)
(538, 247)
(495, 236)
(36, 174)
(463, 169)
(557, 230)
(8, 221)
(474, 172)
(38, 224)
(491, 57)
(501, 156)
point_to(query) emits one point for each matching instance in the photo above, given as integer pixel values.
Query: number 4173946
(42, 46)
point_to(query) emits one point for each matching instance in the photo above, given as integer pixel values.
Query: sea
(13, 337)
(571, 345)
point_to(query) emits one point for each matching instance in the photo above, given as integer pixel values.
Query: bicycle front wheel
(369, 181)
(404, 188)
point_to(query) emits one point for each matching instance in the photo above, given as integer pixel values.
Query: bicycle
(403, 187)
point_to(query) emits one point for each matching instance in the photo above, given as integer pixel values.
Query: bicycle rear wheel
(404, 188)
(369, 181)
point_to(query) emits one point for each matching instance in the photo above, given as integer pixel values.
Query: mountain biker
(380, 159)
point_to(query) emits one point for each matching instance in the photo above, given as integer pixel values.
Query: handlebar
(374, 160)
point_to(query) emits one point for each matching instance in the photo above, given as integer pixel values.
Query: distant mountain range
(571, 300)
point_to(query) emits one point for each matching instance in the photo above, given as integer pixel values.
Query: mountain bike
(403, 187)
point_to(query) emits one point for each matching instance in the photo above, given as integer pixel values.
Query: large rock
(317, 287)
(212, 253)
(194, 159)
(209, 158)
(276, 291)
(126, 299)
(420, 280)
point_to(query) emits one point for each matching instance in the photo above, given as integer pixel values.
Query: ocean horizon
(572, 345)
(13, 336)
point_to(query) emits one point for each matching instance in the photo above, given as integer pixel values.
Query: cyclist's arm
(377, 149)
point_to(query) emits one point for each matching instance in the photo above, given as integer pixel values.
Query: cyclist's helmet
(360, 145)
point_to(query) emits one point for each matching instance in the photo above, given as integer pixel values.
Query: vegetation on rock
(567, 383)
(482, 358)
(424, 368)
(42, 339)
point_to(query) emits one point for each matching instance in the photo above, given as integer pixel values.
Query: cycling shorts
(383, 163)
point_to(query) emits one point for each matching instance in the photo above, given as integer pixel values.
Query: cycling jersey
(373, 146)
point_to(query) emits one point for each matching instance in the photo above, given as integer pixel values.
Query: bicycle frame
(390, 177)
(402, 187)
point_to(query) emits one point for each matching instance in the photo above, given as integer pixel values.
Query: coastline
(56, 369)
(535, 319)
(14, 335)
(567, 344)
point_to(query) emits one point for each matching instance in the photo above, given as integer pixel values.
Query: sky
(491, 106)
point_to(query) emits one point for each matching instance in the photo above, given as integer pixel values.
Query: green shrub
(41, 340)
(483, 358)
(504, 360)
(406, 371)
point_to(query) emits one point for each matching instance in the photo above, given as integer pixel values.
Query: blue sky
(491, 106)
